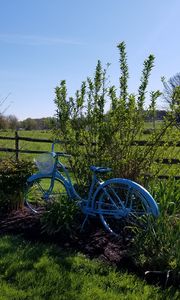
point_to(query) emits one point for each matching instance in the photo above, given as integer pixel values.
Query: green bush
(158, 247)
(95, 136)
(13, 176)
(62, 216)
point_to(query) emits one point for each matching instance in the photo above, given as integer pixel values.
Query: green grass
(25, 145)
(40, 271)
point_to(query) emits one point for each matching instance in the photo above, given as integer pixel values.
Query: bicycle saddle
(100, 169)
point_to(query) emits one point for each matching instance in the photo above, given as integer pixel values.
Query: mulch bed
(93, 242)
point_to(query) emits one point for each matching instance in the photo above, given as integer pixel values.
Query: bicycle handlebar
(62, 154)
(58, 153)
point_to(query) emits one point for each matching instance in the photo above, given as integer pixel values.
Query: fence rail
(18, 150)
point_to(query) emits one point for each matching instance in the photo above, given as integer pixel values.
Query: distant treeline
(11, 122)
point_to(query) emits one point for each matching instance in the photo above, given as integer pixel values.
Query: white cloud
(35, 40)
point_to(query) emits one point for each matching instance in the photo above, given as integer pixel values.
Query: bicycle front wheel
(125, 203)
(43, 190)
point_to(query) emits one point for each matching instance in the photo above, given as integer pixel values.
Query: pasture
(25, 145)
(170, 153)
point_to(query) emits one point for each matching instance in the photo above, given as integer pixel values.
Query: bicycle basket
(45, 163)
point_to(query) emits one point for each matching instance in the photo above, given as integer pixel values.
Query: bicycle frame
(87, 205)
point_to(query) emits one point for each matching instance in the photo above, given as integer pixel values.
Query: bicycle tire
(124, 203)
(38, 193)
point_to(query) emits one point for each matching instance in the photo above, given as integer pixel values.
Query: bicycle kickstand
(84, 222)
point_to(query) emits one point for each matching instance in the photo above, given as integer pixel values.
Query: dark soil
(93, 242)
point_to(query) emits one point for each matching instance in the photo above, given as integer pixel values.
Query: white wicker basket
(45, 163)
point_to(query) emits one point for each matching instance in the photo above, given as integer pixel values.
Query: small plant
(62, 217)
(13, 176)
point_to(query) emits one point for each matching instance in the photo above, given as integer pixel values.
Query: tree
(169, 88)
(3, 122)
(172, 95)
(29, 124)
(13, 122)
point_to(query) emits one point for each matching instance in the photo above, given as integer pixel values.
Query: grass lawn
(42, 271)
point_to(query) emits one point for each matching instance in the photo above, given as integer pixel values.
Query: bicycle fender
(132, 184)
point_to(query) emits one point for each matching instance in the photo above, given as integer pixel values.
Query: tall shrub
(95, 135)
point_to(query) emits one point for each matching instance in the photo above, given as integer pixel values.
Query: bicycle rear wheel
(125, 203)
(41, 191)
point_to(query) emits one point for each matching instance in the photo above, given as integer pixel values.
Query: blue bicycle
(113, 200)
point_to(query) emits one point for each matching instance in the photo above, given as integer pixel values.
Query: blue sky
(45, 41)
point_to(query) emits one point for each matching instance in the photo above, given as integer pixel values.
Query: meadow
(25, 145)
(169, 152)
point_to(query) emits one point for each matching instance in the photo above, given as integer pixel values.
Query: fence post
(17, 145)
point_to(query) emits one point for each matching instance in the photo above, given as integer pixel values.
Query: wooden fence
(18, 150)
